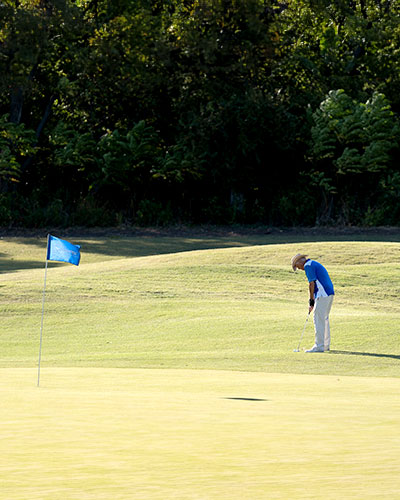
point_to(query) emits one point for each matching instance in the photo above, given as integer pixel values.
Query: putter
(302, 333)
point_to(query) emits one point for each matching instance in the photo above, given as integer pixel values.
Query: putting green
(98, 433)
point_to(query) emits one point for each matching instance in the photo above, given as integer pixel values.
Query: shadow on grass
(145, 242)
(7, 266)
(247, 399)
(372, 354)
(124, 246)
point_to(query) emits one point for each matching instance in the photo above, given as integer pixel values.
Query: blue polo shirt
(316, 272)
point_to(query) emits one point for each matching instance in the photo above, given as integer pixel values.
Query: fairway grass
(107, 434)
(237, 308)
(168, 372)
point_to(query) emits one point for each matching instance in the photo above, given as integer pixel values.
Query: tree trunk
(17, 100)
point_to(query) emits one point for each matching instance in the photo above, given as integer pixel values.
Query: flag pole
(41, 324)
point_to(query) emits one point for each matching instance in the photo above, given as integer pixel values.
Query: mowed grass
(168, 372)
(235, 308)
(108, 434)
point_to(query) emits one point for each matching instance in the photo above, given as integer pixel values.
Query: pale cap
(296, 259)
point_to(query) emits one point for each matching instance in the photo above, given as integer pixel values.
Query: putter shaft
(302, 333)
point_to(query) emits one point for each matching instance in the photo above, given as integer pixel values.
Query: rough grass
(168, 372)
(239, 308)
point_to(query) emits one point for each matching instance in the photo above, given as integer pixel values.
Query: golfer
(321, 298)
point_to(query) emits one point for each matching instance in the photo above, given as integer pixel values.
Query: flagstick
(41, 325)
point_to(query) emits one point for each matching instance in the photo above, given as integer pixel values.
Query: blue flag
(63, 251)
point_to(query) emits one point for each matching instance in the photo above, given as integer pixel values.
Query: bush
(295, 208)
(153, 213)
(52, 214)
(89, 214)
(6, 213)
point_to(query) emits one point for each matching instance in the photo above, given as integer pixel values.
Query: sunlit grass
(190, 434)
(173, 376)
(236, 308)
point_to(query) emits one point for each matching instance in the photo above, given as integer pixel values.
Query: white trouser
(322, 309)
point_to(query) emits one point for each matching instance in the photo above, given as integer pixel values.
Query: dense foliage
(159, 111)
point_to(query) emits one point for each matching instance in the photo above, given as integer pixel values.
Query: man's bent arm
(311, 288)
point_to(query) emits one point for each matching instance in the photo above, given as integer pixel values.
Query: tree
(351, 141)
(128, 161)
(16, 143)
(34, 39)
(225, 91)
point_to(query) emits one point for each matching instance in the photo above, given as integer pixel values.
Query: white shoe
(315, 349)
(326, 349)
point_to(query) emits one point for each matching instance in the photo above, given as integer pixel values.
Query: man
(321, 298)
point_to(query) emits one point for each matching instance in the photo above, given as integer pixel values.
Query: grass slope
(238, 414)
(239, 308)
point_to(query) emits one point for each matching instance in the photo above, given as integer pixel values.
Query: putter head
(296, 350)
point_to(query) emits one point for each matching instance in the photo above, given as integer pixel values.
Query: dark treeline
(280, 112)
